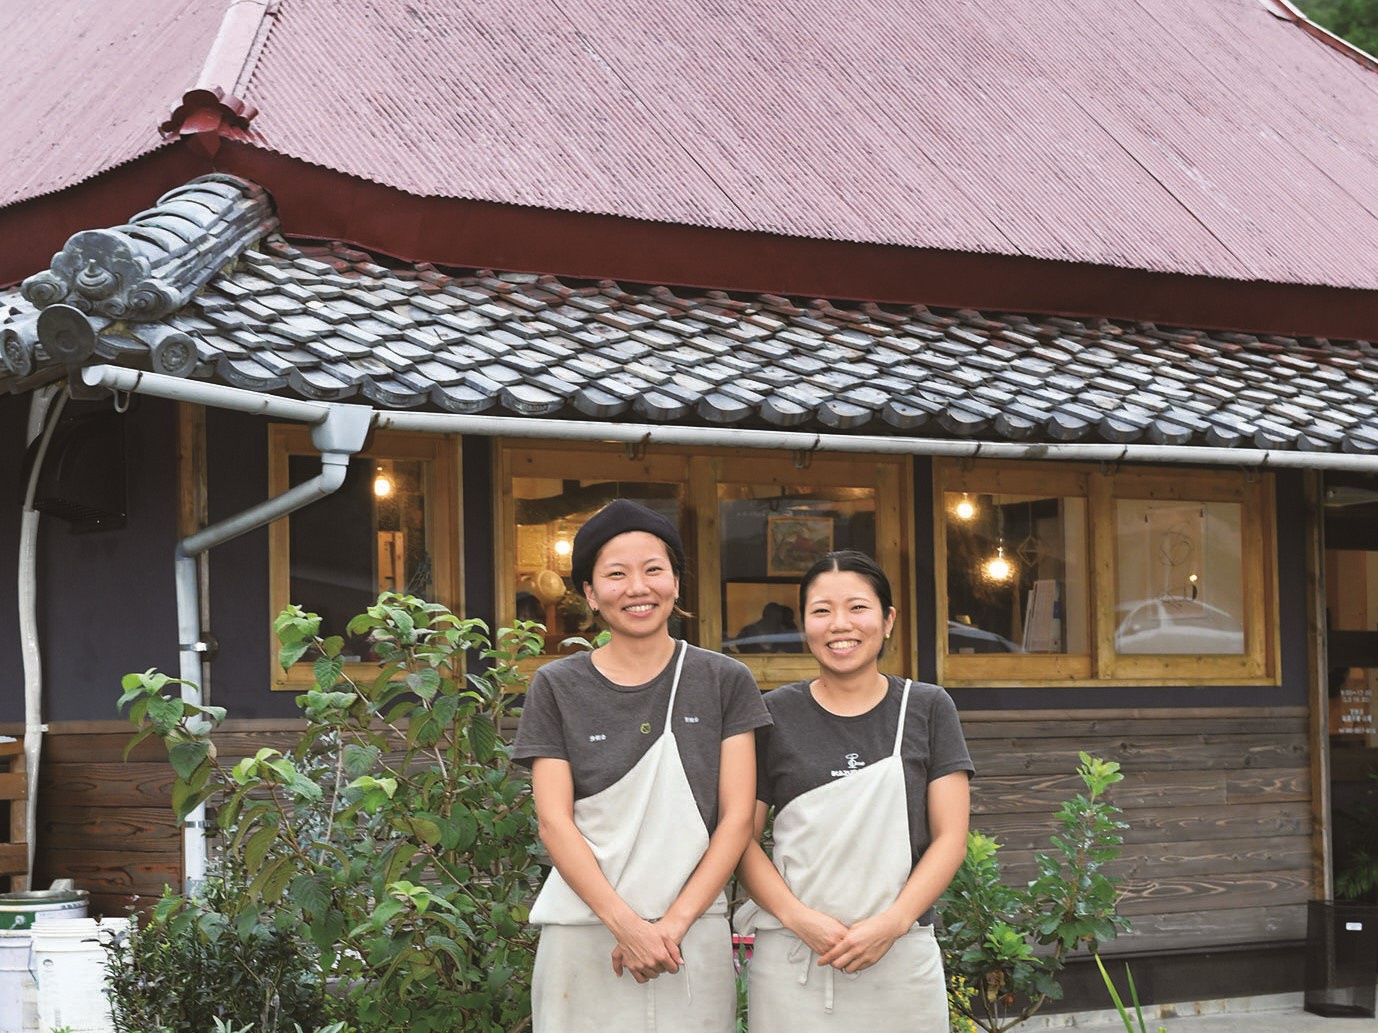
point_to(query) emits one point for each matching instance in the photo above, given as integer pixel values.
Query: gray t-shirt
(573, 713)
(807, 746)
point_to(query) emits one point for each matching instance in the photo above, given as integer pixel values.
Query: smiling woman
(643, 830)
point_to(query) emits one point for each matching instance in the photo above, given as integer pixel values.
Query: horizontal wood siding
(1218, 850)
(105, 822)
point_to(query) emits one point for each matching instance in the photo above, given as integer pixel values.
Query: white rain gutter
(337, 432)
(244, 400)
(43, 416)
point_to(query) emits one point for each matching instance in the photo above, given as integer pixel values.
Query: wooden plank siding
(14, 790)
(1218, 851)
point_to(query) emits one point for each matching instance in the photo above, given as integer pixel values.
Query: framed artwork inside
(794, 543)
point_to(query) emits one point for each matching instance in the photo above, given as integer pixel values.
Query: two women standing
(644, 770)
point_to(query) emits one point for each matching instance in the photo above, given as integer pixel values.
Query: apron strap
(674, 688)
(904, 707)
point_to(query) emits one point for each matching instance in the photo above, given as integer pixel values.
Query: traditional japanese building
(1062, 310)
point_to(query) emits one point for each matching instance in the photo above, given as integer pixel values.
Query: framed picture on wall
(794, 543)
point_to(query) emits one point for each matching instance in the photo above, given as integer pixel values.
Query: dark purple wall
(106, 597)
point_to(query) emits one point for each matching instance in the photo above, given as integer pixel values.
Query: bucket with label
(22, 910)
(18, 913)
(69, 963)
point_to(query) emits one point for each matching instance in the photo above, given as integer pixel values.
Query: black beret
(619, 517)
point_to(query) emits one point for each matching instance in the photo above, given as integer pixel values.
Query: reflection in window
(369, 537)
(1016, 574)
(1179, 585)
(770, 535)
(548, 513)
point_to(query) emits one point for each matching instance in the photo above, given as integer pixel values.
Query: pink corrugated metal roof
(1208, 137)
(1173, 135)
(84, 85)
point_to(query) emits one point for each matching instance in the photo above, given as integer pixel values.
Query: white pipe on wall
(44, 412)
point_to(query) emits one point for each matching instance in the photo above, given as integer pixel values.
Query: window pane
(1016, 574)
(369, 537)
(769, 536)
(548, 513)
(1179, 585)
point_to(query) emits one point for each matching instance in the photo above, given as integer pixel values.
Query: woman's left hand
(865, 943)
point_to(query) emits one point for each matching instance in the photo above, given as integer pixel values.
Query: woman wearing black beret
(642, 756)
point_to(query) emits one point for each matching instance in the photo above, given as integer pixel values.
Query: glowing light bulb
(563, 547)
(965, 510)
(997, 567)
(382, 486)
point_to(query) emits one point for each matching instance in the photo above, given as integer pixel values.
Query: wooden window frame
(1258, 665)
(443, 523)
(698, 472)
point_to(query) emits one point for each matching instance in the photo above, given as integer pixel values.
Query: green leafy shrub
(190, 960)
(392, 844)
(1006, 945)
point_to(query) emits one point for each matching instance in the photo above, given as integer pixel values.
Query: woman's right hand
(644, 949)
(819, 932)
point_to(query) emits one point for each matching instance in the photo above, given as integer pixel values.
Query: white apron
(843, 849)
(648, 835)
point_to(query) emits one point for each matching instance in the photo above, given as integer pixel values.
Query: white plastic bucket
(69, 964)
(18, 994)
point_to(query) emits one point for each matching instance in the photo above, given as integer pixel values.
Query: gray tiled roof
(332, 323)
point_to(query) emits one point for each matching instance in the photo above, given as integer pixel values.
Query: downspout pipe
(337, 437)
(337, 431)
(44, 412)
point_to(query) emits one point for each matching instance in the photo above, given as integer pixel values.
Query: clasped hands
(847, 948)
(647, 949)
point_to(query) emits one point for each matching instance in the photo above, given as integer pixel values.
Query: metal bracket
(636, 450)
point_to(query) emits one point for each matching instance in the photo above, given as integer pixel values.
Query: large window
(389, 528)
(751, 525)
(1074, 573)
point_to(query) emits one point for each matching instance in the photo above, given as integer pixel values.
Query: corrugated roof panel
(1207, 137)
(84, 87)
(1171, 135)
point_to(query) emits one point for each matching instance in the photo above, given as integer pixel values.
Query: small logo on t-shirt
(854, 764)
(597, 738)
(645, 728)
(689, 720)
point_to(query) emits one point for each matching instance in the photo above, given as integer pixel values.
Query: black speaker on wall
(83, 478)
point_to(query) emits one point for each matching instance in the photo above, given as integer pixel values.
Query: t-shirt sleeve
(947, 745)
(763, 791)
(743, 709)
(540, 732)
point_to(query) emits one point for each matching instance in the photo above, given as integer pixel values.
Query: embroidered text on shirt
(854, 764)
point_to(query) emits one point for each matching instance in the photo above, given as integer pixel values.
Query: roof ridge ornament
(151, 266)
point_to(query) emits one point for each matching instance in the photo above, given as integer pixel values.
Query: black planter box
(1341, 958)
